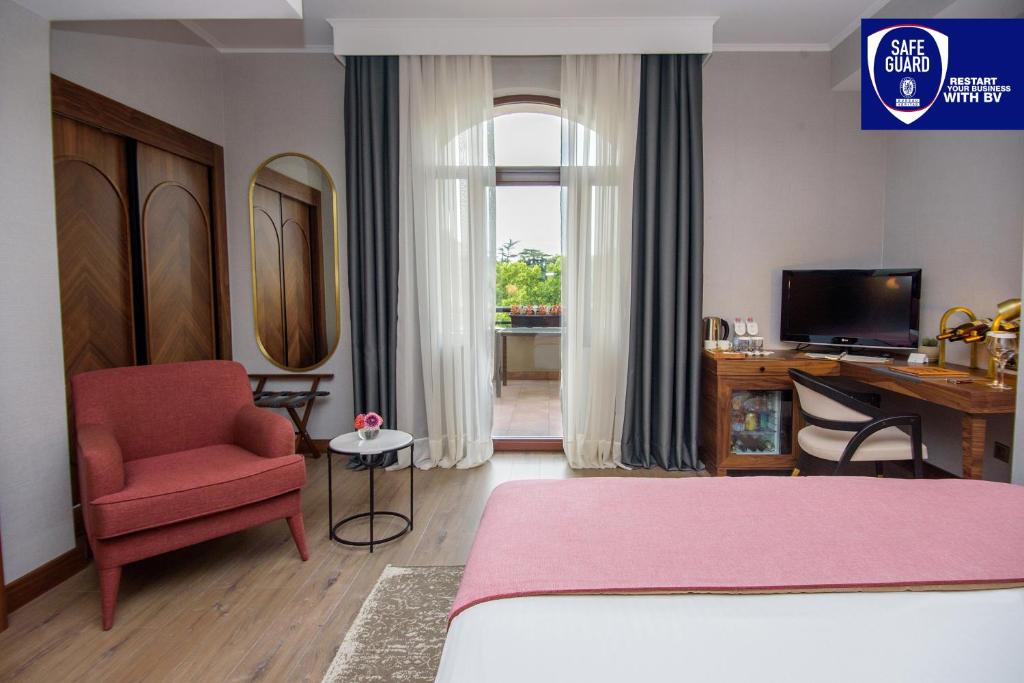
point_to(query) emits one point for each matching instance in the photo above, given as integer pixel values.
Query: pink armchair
(172, 455)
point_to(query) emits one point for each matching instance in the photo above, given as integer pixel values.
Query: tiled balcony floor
(528, 408)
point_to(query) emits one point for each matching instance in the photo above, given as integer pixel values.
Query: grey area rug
(399, 633)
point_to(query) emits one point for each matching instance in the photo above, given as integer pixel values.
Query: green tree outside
(532, 278)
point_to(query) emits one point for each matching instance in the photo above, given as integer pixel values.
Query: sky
(531, 215)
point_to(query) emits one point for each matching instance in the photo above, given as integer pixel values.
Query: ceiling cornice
(100, 10)
(307, 50)
(771, 47)
(523, 36)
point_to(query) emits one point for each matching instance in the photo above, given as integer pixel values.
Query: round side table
(373, 454)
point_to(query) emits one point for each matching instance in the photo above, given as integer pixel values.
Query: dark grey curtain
(662, 388)
(371, 183)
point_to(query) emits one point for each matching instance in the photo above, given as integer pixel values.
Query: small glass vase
(366, 433)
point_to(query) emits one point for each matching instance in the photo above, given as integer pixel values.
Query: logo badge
(907, 65)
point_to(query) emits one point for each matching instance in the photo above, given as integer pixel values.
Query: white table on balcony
(501, 335)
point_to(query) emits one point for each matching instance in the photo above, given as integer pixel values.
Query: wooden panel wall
(93, 247)
(175, 226)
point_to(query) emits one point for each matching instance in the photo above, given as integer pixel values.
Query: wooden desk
(975, 402)
(723, 376)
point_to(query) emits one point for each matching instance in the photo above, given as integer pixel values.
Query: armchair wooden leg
(110, 579)
(879, 468)
(298, 529)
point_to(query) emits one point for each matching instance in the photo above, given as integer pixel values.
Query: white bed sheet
(906, 636)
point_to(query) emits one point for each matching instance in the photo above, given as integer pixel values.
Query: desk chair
(843, 428)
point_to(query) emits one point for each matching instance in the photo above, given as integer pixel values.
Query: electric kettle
(715, 329)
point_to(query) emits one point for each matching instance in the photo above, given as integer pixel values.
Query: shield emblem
(907, 64)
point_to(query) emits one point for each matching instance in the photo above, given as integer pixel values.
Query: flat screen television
(876, 309)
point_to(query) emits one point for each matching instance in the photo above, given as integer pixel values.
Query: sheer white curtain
(446, 281)
(600, 104)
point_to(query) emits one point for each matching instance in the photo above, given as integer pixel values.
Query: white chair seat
(891, 443)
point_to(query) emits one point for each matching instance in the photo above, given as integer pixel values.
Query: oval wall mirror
(293, 228)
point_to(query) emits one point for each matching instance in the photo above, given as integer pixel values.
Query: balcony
(527, 369)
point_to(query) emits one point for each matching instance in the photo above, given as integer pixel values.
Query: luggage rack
(292, 401)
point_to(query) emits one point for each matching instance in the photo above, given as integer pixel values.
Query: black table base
(372, 463)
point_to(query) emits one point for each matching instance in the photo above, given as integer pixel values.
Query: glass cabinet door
(760, 422)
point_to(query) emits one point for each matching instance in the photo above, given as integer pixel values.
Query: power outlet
(1001, 452)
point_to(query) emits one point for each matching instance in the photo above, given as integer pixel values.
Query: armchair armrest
(877, 425)
(101, 462)
(263, 432)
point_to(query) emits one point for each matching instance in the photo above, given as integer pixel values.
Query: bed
(759, 578)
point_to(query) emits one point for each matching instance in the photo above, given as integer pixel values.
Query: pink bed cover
(744, 535)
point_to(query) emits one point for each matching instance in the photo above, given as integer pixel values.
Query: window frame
(527, 176)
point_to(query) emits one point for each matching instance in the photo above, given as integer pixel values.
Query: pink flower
(373, 420)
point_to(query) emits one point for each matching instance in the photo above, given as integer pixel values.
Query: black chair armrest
(877, 425)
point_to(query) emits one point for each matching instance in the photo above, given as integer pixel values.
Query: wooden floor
(245, 607)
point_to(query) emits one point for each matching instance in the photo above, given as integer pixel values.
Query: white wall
(35, 492)
(955, 207)
(285, 103)
(790, 180)
(533, 75)
(180, 84)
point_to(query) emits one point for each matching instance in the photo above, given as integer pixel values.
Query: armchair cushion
(263, 432)
(100, 461)
(174, 487)
(891, 443)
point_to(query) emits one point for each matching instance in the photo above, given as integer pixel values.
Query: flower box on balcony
(529, 320)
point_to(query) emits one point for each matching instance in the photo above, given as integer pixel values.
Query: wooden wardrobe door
(175, 227)
(93, 247)
(299, 278)
(266, 216)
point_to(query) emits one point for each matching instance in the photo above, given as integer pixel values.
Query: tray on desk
(929, 371)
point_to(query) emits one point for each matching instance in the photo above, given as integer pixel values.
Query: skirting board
(27, 588)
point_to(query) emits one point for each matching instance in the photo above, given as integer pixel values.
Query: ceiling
(59, 10)
(741, 25)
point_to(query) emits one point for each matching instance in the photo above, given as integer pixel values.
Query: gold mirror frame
(331, 347)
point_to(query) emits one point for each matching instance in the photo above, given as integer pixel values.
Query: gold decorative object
(944, 328)
(1007, 311)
